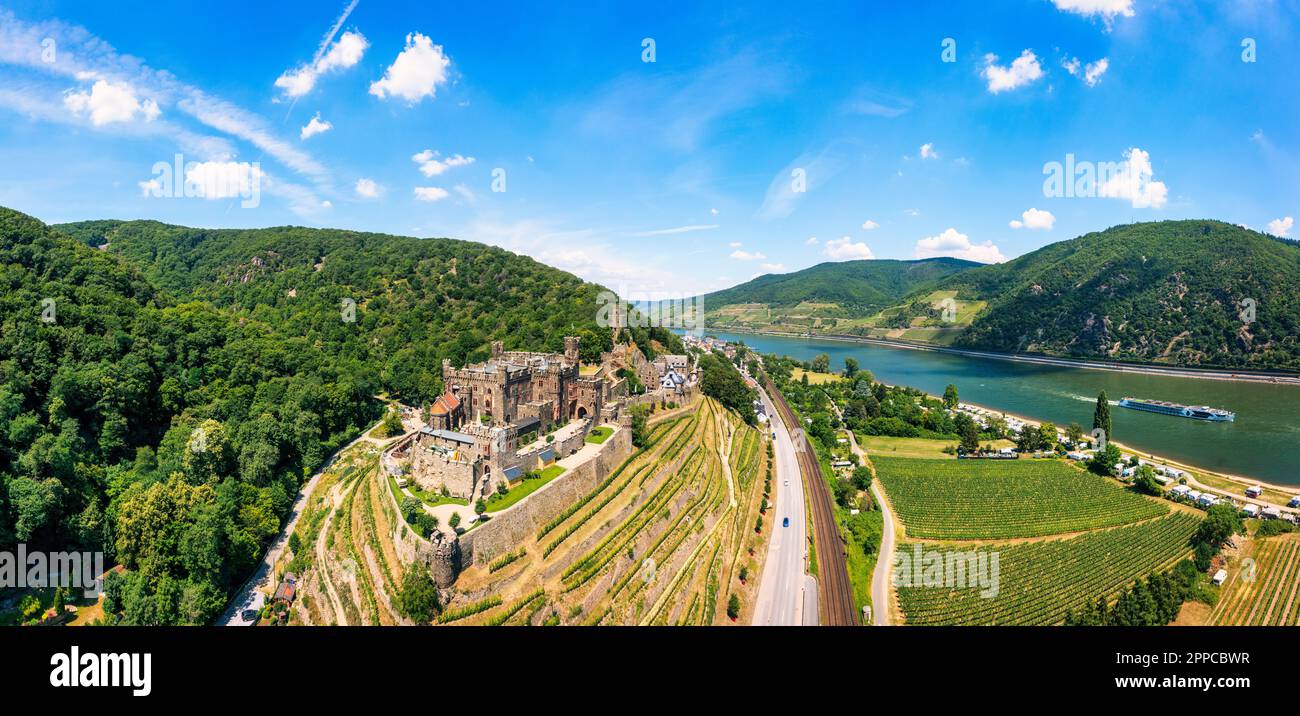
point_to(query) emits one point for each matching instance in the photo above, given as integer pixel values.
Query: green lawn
(498, 502)
(431, 499)
(599, 435)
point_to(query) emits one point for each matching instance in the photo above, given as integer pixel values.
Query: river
(1263, 443)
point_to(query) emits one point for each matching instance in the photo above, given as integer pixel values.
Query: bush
(418, 599)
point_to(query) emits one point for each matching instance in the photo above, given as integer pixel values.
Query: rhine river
(1263, 443)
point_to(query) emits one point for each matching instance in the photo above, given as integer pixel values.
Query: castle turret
(571, 344)
(497, 349)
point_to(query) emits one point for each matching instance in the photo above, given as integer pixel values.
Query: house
(672, 380)
(1179, 492)
(1207, 500)
(1250, 510)
(287, 590)
(1255, 491)
(1219, 577)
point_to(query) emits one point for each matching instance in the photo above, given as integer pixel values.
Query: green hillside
(1166, 292)
(858, 287)
(115, 361)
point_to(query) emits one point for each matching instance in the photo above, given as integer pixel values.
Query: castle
(489, 426)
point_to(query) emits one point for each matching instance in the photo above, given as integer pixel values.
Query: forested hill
(417, 300)
(1167, 292)
(860, 287)
(162, 399)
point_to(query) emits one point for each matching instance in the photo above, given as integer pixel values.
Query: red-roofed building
(447, 412)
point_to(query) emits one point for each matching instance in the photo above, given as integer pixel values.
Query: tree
(392, 424)
(1074, 432)
(1103, 463)
(1047, 436)
(969, 432)
(1221, 522)
(862, 477)
(1144, 481)
(733, 607)
(480, 507)
(418, 599)
(821, 363)
(1030, 439)
(454, 520)
(950, 397)
(850, 367)
(1101, 417)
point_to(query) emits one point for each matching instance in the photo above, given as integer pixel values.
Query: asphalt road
(784, 590)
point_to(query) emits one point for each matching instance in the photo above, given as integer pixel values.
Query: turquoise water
(1263, 443)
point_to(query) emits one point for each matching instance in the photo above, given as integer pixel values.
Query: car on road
(249, 615)
(785, 522)
(787, 483)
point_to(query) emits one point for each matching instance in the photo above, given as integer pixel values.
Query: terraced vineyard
(662, 540)
(1267, 594)
(1039, 581)
(971, 499)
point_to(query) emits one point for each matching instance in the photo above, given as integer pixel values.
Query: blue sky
(679, 175)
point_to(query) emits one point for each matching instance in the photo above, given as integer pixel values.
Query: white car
(787, 483)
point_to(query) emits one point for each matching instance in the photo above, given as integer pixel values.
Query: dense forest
(164, 390)
(1167, 291)
(860, 287)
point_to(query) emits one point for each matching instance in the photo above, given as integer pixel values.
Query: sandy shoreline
(1146, 369)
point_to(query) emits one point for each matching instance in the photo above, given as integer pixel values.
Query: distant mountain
(1159, 292)
(1165, 292)
(858, 287)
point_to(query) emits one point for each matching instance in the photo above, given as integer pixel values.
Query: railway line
(838, 608)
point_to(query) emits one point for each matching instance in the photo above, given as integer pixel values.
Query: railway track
(836, 593)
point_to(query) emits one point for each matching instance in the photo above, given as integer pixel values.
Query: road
(835, 590)
(253, 594)
(784, 588)
(885, 556)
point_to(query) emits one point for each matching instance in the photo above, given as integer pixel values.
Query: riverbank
(1280, 378)
(1199, 478)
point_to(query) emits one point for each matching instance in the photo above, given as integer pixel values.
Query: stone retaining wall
(503, 533)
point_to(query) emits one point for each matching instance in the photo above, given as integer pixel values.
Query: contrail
(329, 36)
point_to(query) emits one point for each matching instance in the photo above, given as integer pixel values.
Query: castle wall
(504, 532)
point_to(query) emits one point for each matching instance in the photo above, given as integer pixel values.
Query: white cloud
(344, 53)
(1023, 70)
(1034, 219)
(912, 212)
(431, 165)
(812, 241)
(1090, 73)
(772, 268)
(869, 225)
(314, 127)
(368, 189)
(795, 180)
(430, 193)
(958, 245)
(107, 102)
(734, 245)
(713, 212)
(1132, 181)
(747, 256)
(846, 249)
(927, 151)
(1107, 9)
(677, 230)
(1281, 227)
(465, 192)
(416, 73)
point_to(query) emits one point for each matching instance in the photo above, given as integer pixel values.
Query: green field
(498, 501)
(972, 499)
(1038, 582)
